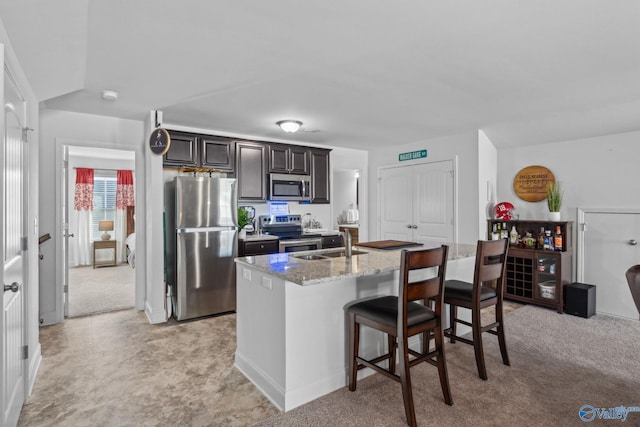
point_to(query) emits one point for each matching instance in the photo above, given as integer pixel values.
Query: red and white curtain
(83, 200)
(80, 247)
(124, 190)
(124, 197)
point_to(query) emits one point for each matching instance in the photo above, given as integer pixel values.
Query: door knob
(14, 287)
(633, 242)
(408, 225)
(68, 235)
(414, 226)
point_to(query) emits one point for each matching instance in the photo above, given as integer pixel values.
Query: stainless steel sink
(340, 253)
(310, 257)
(326, 255)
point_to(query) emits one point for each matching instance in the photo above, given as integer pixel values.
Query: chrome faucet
(347, 243)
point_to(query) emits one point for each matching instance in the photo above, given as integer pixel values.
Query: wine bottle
(541, 238)
(495, 235)
(558, 239)
(548, 240)
(504, 231)
(514, 235)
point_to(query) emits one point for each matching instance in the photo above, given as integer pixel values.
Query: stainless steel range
(288, 228)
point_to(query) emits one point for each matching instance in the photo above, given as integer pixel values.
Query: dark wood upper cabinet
(194, 150)
(319, 175)
(251, 171)
(217, 153)
(183, 150)
(288, 159)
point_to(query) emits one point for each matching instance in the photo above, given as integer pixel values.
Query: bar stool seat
(464, 290)
(384, 310)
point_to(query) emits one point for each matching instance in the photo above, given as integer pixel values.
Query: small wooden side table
(104, 244)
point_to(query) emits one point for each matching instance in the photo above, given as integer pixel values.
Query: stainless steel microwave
(289, 187)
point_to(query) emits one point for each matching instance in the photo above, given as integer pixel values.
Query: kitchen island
(291, 326)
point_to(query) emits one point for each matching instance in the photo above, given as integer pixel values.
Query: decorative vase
(242, 234)
(554, 216)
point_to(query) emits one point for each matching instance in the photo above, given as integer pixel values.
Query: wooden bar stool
(400, 318)
(490, 269)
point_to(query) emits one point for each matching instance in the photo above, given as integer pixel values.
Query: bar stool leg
(354, 338)
(442, 366)
(453, 320)
(391, 345)
(405, 381)
(501, 339)
(477, 342)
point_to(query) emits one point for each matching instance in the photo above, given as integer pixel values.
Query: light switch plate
(266, 283)
(246, 274)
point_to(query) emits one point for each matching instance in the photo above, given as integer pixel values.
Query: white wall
(594, 172)
(60, 128)
(463, 149)
(487, 182)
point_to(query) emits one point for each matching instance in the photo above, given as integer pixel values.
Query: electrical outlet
(246, 274)
(266, 283)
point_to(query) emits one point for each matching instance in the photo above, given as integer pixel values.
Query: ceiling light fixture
(289, 126)
(109, 95)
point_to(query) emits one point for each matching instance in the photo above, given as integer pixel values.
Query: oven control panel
(279, 219)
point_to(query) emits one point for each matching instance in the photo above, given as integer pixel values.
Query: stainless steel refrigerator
(201, 242)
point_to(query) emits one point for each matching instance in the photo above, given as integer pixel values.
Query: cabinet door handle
(414, 226)
(408, 225)
(633, 242)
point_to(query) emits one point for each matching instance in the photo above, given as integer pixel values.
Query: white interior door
(608, 250)
(395, 201)
(14, 234)
(417, 202)
(433, 202)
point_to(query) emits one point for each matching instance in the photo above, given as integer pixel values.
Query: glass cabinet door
(547, 273)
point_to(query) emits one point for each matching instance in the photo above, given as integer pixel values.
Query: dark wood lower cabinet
(257, 247)
(332, 242)
(538, 276)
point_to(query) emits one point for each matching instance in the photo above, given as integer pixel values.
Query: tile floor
(116, 369)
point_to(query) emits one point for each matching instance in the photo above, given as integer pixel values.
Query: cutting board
(389, 244)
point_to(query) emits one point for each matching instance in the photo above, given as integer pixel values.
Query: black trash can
(580, 299)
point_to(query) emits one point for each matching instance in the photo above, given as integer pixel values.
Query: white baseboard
(34, 367)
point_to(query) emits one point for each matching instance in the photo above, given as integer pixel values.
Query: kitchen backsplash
(319, 213)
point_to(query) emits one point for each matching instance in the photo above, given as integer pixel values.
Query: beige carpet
(558, 364)
(102, 289)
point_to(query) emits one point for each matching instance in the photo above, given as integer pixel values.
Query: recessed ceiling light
(289, 126)
(109, 95)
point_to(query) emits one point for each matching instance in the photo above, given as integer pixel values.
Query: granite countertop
(312, 272)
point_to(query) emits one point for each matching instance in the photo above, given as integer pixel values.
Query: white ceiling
(363, 73)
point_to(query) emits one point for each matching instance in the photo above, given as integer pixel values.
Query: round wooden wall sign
(531, 183)
(159, 141)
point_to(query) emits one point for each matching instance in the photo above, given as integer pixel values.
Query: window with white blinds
(104, 200)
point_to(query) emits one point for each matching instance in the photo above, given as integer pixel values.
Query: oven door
(297, 245)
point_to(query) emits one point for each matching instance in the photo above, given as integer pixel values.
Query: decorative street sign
(412, 155)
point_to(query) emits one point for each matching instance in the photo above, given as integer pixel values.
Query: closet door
(416, 202)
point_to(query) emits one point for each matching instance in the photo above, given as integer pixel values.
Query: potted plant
(243, 220)
(554, 200)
